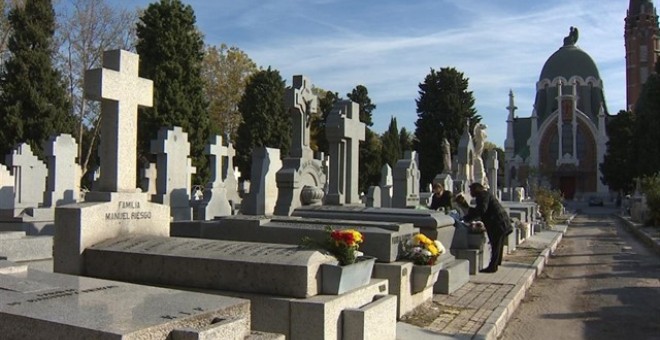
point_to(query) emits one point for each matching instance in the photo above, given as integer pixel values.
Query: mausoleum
(561, 145)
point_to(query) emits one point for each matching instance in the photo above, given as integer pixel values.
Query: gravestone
(148, 183)
(263, 187)
(230, 177)
(386, 186)
(373, 197)
(344, 132)
(381, 239)
(30, 178)
(173, 182)
(406, 182)
(118, 208)
(63, 184)
(276, 269)
(492, 165)
(215, 202)
(518, 194)
(40, 305)
(300, 169)
(6, 190)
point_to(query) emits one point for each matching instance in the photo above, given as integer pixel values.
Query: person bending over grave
(495, 220)
(441, 198)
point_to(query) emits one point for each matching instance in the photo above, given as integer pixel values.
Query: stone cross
(6, 189)
(344, 132)
(120, 91)
(215, 150)
(302, 103)
(62, 186)
(149, 175)
(174, 171)
(29, 176)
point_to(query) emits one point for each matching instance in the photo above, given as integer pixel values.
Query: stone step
(11, 235)
(452, 277)
(28, 248)
(256, 335)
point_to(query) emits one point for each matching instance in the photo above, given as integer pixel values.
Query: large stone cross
(120, 91)
(302, 103)
(344, 131)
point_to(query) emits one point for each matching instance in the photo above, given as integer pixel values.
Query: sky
(389, 46)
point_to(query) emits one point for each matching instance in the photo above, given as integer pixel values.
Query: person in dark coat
(495, 219)
(441, 198)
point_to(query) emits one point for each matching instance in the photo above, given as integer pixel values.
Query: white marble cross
(120, 91)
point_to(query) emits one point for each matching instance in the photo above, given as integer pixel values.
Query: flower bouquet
(422, 250)
(342, 244)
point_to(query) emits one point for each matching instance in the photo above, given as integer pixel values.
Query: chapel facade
(561, 145)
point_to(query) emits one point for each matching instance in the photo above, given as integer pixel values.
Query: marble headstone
(30, 177)
(173, 184)
(406, 182)
(386, 186)
(215, 202)
(63, 184)
(263, 186)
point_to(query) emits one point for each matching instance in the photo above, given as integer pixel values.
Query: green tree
(443, 108)
(327, 100)
(226, 71)
(616, 169)
(33, 100)
(171, 52)
(370, 149)
(265, 119)
(406, 141)
(647, 128)
(360, 95)
(391, 144)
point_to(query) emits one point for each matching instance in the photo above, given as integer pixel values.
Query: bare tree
(5, 29)
(87, 29)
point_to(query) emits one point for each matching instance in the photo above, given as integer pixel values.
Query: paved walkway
(481, 308)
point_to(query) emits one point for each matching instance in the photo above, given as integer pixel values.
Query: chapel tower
(641, 38)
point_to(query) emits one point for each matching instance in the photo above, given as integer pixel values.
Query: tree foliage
(86, 29)
(647, 128)
(327, 100)
(226, 71)
(406, 141)
(616, 169)
(391, 144)
(370, 149)
(443, 108)
(171, 51)
(265, 119)
(33, 100)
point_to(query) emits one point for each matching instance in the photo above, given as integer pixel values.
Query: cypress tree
(265, 119)
(171, 52)
(391, 144)
(33, 101)
(443, 108)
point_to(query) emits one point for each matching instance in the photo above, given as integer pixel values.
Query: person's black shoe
(488, 270)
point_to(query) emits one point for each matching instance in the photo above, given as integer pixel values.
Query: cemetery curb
(496, 323)
(637, 229)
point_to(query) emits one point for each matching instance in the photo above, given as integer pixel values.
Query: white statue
(446, 156)
(479, 139)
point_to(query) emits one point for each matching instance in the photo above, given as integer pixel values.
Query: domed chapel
(564, 140)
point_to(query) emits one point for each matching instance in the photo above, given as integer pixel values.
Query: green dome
(569, 61)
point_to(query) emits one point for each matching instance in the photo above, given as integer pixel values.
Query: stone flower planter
(423, 277)
(340, 279)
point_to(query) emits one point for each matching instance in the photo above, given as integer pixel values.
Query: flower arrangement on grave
(342, 244)
(422, 250)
